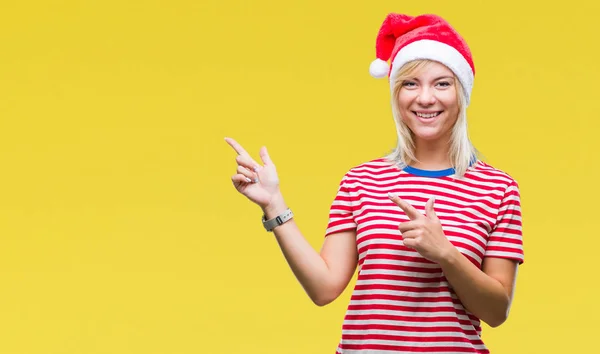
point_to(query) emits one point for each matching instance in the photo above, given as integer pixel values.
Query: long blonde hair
(461, 153)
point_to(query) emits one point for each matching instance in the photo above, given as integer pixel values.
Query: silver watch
(278, 220)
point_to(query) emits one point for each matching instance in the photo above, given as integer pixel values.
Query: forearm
(482, 295)
(306, 263)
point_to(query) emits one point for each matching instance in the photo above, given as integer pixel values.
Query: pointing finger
(410, 211)
(236, 146)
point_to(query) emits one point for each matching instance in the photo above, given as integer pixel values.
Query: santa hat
(404, 38)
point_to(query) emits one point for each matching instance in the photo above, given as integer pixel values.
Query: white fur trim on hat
(440, 52)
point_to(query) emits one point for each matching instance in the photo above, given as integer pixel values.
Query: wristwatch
(278, 220)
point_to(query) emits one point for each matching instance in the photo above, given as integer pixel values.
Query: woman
(434, 231)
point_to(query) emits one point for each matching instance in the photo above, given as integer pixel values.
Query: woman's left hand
(423, 233)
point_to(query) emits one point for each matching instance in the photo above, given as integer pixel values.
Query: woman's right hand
(258, 183)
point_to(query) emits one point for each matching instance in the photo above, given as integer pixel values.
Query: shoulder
(374, 167)
(486, 173)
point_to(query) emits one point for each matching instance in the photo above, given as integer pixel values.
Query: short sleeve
(341, 212)
(506, 239)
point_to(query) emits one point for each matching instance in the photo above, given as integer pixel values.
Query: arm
(324, 275)
(486, 293)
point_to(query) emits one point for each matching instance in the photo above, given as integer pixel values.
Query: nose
(426, 96)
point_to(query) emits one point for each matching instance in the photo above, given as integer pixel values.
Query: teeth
(427, 115)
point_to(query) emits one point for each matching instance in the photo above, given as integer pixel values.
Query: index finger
(410, 211)
(237, 147)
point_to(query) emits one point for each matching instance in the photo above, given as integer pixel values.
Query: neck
(432, 155)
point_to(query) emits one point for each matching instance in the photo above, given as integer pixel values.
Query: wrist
(275, 207)
(449, 257)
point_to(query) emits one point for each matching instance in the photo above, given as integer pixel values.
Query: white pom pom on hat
(379, 68)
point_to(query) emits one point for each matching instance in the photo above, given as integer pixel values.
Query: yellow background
(120, 229)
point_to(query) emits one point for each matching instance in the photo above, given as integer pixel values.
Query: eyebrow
(436, 79)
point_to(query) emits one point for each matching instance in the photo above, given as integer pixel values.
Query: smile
(427, 115)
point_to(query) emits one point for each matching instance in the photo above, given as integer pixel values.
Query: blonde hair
(461, 153)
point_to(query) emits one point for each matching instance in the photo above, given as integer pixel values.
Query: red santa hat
(404, 38)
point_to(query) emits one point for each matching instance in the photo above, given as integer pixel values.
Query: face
(428, 103)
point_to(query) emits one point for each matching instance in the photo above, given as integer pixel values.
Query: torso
(401, 301)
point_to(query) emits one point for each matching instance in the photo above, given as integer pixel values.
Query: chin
(427, 135)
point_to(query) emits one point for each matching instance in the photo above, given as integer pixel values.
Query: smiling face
(428, 103)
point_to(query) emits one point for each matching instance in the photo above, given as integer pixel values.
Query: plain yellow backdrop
(120, 229)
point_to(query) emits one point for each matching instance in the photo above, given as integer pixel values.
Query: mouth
(427, 117)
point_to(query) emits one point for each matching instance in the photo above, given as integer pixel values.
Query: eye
(444, 84)
(408, 84)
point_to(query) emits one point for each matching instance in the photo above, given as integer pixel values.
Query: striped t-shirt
(402, 303)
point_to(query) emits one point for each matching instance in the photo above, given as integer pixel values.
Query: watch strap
(278, 220)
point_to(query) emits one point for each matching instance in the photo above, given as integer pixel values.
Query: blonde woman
(434, 231)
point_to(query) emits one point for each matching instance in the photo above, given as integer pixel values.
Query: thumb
(429, 210)
(264, 156)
